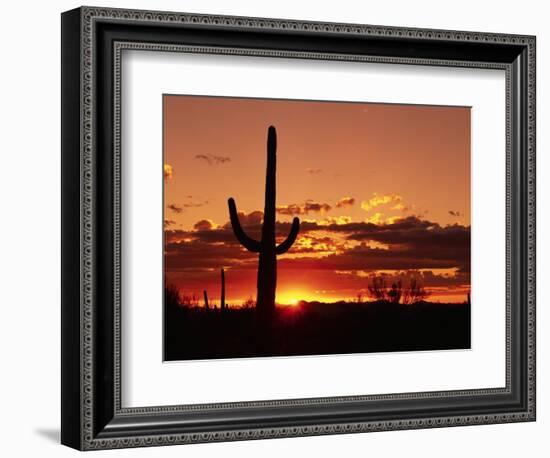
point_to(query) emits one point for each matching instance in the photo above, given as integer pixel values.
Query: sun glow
(293, 297)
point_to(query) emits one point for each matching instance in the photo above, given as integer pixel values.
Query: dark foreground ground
(315, 329)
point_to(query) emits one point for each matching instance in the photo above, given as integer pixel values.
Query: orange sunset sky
(379, 189)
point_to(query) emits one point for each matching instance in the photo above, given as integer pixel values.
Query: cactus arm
(249, 243)
(283, 247)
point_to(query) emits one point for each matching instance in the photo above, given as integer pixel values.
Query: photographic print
(298, 227)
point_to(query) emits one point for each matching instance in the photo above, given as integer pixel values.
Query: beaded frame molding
(92, 42)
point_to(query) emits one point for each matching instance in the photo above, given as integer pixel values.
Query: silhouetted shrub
(172, 296)
(378, 290)
(414, 293)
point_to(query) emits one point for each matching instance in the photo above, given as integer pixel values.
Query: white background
(30, 242)
(147, 76)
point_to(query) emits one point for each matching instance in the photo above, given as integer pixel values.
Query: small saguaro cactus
(222, 298)
(266, 247)
(205, 294)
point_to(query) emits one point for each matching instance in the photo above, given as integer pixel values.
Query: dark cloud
(454, 213)
(203, 225)
(412, 242)
(406, 244)
(251, 219)
(195, 204)
(412, 230)
(211, 236)
(345, 202)
(303, 209)
(425, 277)
(217, 243)
(364, 257)
(175, 208)
(169, 222)
(198, 254)
(212, 159)
(181, 208)
(171, 235)
(362, 229)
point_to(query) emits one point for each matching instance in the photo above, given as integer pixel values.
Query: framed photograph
(276, 228)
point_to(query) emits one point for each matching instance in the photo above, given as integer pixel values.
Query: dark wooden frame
(92, 39)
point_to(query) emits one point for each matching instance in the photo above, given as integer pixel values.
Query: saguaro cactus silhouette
(222, 296)
(266, 246)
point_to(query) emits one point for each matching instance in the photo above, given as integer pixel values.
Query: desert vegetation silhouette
(266, 246)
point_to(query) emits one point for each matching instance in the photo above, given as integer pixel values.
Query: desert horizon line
(237, 302)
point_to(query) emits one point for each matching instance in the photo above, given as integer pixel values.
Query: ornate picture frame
(93, 416)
